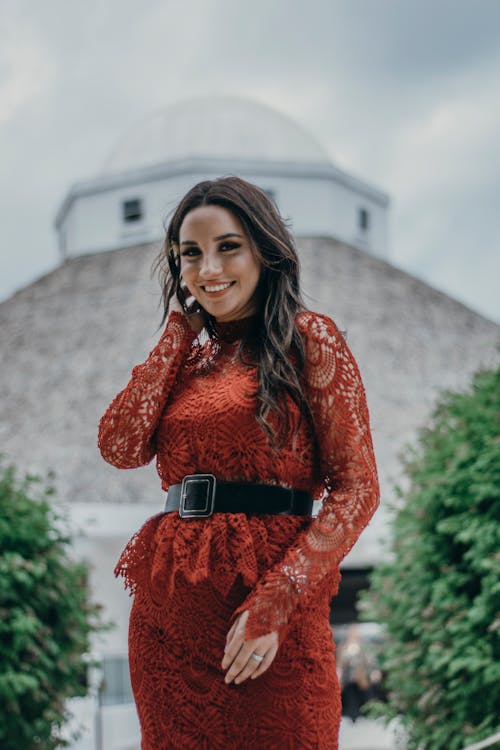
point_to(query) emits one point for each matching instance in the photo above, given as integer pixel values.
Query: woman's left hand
(238, 652)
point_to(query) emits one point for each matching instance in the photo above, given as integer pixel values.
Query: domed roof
(224, 127)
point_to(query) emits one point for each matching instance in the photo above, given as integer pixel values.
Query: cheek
(252, 284)
(248, 272)
(254, 277)
(188, 276)
(186, 272)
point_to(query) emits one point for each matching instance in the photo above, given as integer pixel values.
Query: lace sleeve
(337, 400)
(126, 431)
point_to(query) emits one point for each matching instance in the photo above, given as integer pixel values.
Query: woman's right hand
(196, 320)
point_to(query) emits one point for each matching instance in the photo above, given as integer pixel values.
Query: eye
(190, 252)
(227, 246)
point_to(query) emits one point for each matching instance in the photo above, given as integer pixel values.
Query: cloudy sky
(404, 94)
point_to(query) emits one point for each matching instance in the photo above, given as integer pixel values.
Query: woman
(253, 406)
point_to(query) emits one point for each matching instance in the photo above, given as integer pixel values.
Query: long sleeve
(337, 400)
(126, 430)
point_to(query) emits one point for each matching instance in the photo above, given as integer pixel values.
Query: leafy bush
(439, 595)
(45, 617)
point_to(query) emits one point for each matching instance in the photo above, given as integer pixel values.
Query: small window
(132, 210)
(364, 219)
(115, 687)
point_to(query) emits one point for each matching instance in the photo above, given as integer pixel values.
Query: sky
(403, 94)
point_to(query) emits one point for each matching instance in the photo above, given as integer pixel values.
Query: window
(363, 219)
(132, 210)
(115, 687)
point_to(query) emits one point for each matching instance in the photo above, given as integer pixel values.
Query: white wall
(105, 728)
(100, 531)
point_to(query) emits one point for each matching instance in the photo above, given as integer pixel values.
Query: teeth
(217, 287)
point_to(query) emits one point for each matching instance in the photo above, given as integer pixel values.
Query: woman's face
(218, 264)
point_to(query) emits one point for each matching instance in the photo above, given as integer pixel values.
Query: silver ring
(257, 657)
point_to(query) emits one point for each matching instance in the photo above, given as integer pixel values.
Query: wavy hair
(278, 375)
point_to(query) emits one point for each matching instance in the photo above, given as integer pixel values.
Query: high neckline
(234, 330)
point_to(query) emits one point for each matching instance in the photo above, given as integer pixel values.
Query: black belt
(200, 495)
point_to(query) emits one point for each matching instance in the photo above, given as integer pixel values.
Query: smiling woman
(219, 264)
(230, 643)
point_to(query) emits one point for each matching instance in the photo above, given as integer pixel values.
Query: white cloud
(406, 104)
(452, 144)
(27, 72)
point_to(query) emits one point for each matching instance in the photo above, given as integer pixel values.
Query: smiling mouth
(212, 288)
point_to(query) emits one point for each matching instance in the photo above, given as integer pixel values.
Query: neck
(241, 328)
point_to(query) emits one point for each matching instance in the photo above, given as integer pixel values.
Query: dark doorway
(343, 608)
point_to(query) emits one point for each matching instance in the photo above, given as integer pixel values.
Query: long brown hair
(278, 286)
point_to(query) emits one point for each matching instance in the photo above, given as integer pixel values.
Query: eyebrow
(216, 239)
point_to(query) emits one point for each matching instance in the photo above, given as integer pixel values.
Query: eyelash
(188, 252)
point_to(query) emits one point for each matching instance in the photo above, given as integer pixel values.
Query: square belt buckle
(197, 496)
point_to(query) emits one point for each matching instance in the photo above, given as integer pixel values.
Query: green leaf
(437, 597)
(46, 618)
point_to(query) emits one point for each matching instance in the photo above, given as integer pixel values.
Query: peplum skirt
(187, 578)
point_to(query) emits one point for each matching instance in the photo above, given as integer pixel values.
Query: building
(159, 160)
(70, 339)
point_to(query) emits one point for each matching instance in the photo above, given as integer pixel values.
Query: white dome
(224, 127)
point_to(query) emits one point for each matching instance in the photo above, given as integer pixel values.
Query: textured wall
(70, 339)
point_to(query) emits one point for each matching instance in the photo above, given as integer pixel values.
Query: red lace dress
(193, 405)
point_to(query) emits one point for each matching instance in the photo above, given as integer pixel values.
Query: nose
(211, 265)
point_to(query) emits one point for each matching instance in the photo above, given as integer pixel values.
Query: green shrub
(438, 597)
(45, 617)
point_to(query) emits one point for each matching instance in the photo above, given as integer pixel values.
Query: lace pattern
(193, 404)
(337, 398)
(127, 428)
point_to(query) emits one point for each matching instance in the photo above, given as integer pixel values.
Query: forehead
(212, 220)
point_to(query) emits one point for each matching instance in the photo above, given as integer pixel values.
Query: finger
(239, 663)
(230, 655)
(251, 667)
(232, 649)
(234, 639)
(265, 664)
(239, 621)
(230, 634)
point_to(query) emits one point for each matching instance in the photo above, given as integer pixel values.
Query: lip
(220, 293)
